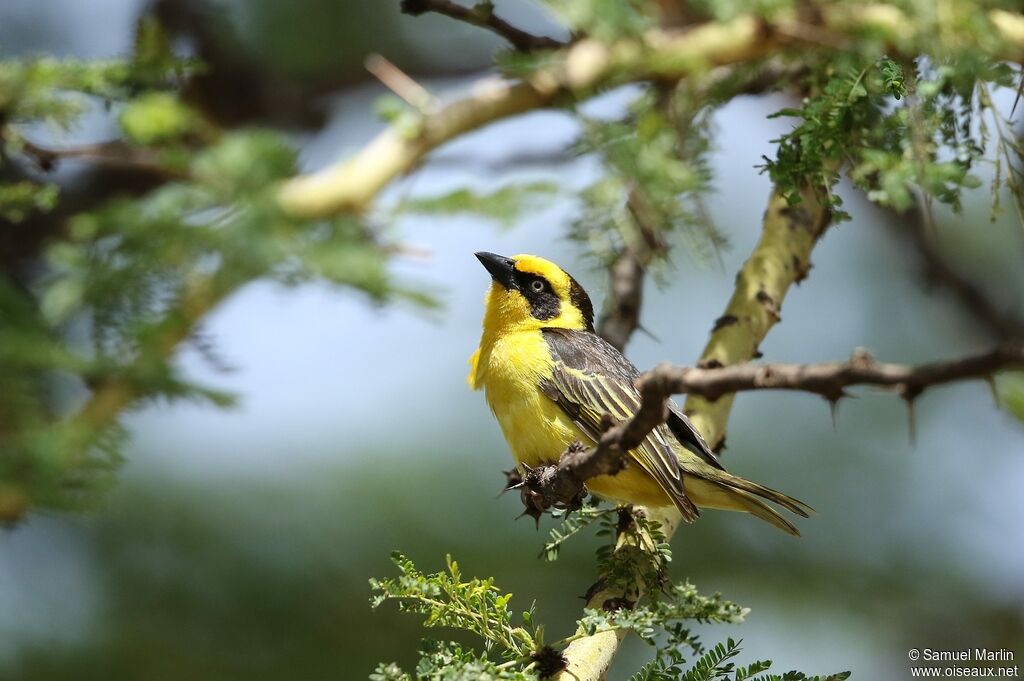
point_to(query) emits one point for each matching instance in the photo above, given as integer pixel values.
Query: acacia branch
(482, 15)
(831, 379)
(563, 484)
(780, 258)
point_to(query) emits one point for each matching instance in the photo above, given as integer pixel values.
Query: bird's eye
(537, 285)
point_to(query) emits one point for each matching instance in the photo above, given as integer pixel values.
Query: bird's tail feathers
(775, 496)
(751, 504)
(719, 489)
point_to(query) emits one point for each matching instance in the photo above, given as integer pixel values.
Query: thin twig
(400, 83)
(482, 15)
(115, 153)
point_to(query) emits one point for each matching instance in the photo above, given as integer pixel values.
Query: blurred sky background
(238, 543)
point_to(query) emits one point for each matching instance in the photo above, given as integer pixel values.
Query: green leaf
(570, 527)
(158, 117)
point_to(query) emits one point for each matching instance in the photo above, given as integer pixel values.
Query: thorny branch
(563, 484)
(482, 15)
(831, 379)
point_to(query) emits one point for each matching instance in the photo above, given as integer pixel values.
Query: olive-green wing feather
(590, 378)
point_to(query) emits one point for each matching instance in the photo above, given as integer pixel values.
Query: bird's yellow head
(528, 292)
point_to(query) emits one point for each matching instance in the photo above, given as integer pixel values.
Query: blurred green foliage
(504, 206)
(139, 272)
(656, 178)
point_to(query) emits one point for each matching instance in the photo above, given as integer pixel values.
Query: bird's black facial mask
(544, 303)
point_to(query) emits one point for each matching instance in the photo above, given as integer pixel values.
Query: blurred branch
(780, 258)
(482, 15)
(515, 160)
(351, 184)
(621, 316)
(973, 299)
(625, 298)
(767, 78)
(114, 154)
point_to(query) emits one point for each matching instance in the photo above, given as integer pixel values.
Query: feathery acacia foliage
(661, 615)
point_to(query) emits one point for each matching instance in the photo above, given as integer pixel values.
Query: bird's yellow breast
(510, 369)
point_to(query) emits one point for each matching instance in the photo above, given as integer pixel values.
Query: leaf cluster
(476, 606)
(655, 177)
(514, 649)
(899, 129)
(448, 661)
(716, 664)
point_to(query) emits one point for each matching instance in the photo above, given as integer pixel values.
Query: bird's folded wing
(590, 379)
(689, 436)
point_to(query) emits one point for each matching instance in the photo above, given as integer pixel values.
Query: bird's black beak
(502, 269)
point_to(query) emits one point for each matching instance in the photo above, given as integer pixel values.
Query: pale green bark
(781, 257)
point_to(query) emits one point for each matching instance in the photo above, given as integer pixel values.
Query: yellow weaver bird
(549, 379)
